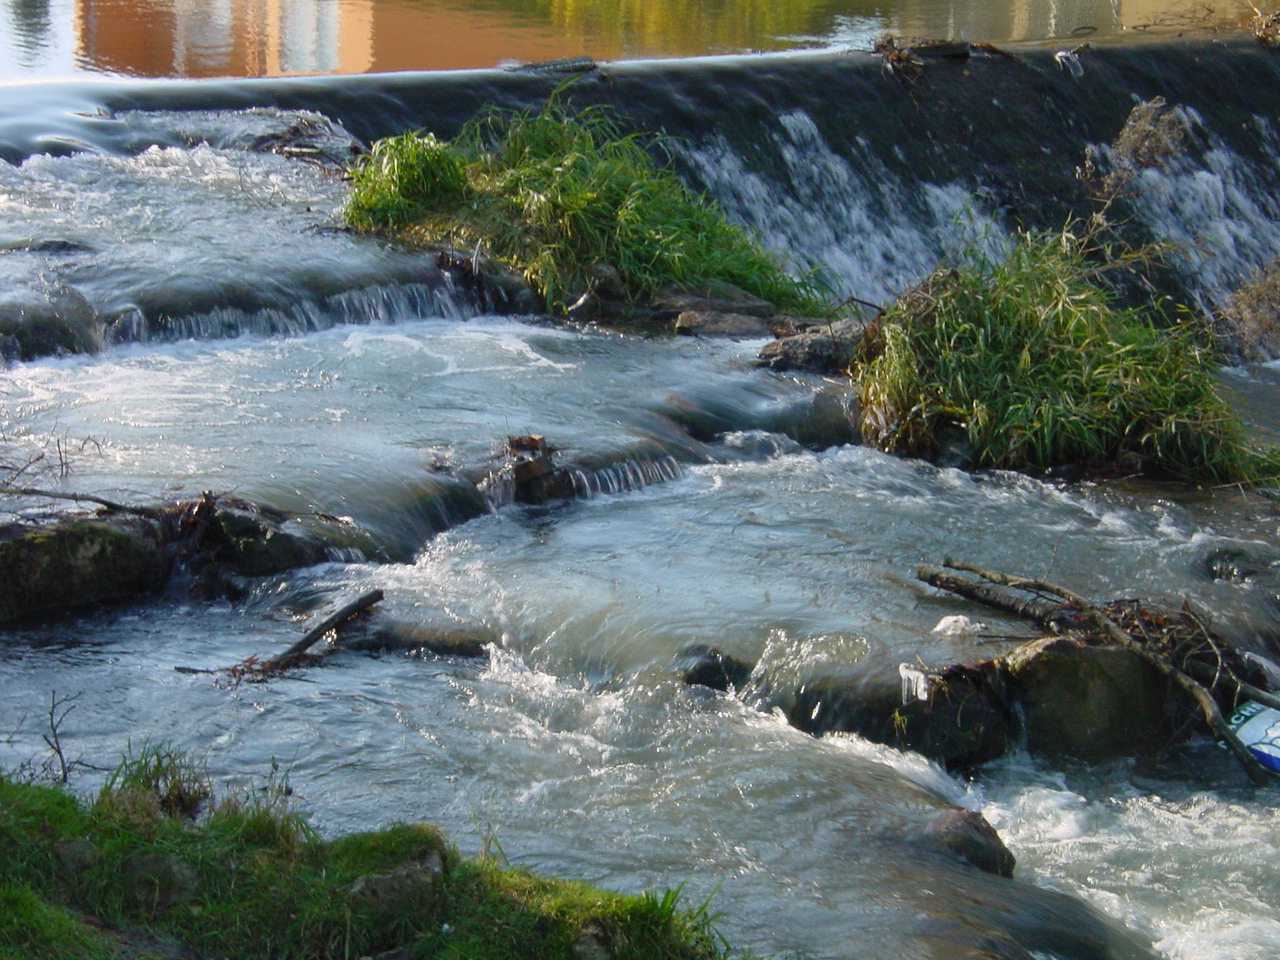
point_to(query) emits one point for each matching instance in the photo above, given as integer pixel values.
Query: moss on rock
(55, 568)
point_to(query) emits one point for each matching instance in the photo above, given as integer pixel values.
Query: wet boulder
(54, 319)
(1087, 700)
(246, 539)
(705, 666)
(967, 834)
(820, 347)
(961, 723)
(50, 569)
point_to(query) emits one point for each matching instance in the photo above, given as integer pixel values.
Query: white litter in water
(915, 683)
(958, 626)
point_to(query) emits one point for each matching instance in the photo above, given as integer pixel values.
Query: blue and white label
(1258, 728)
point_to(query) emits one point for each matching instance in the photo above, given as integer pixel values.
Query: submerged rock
(440, 636)
(705, 666)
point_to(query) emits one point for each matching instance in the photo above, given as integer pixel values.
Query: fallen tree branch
(1043, 612)
(152, 513)
(335, 619)
(1208, 706)
(258, 670)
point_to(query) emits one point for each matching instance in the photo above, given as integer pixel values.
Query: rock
(157, 882)
(1085, 700)
(76, 856)
(961, 725)
(312, 138)
(705, 666)
(242, 539)
(828, 348)
(495, 288)
(606, 282)
(404, 892)
(593, 943)
(54, 568)
(968, 835)
(720, 297)
(714, 323)
(53, 319)
(257, 544)
(1242, 564)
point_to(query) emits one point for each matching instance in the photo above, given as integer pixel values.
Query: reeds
(1025, 363)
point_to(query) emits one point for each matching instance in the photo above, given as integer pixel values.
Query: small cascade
(386, 303)
(529, 474)
(625, 476)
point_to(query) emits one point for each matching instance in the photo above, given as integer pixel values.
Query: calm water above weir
(251, 349)
(253, 38)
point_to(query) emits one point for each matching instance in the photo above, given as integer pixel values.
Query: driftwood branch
(1208, 707)
(334, 620)
(1043, 612)
(256, 669)
(111, 505)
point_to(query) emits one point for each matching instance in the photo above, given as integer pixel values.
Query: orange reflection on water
(249, 38)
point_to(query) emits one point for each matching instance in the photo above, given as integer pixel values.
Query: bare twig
(151, 512)
(59, 707)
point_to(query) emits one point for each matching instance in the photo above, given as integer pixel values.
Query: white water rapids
(575, 744)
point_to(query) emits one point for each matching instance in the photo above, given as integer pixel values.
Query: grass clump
(551, 194)
(1024, 363)
(249, 877)
(30, 928)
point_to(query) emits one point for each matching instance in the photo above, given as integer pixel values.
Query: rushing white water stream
(576, 744)
(750, 525)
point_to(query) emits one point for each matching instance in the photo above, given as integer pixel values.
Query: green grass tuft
(401, 178)
(1025, 363)
(31, 929)
(552, 193)
(259, 882)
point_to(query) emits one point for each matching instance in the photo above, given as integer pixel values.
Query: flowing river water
(251, 349)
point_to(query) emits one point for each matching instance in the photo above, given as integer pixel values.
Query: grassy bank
(154, 860)
(554, 193)
(1023, 362)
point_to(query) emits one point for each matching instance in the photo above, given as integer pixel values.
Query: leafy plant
(1024, 362)
(553, 193)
